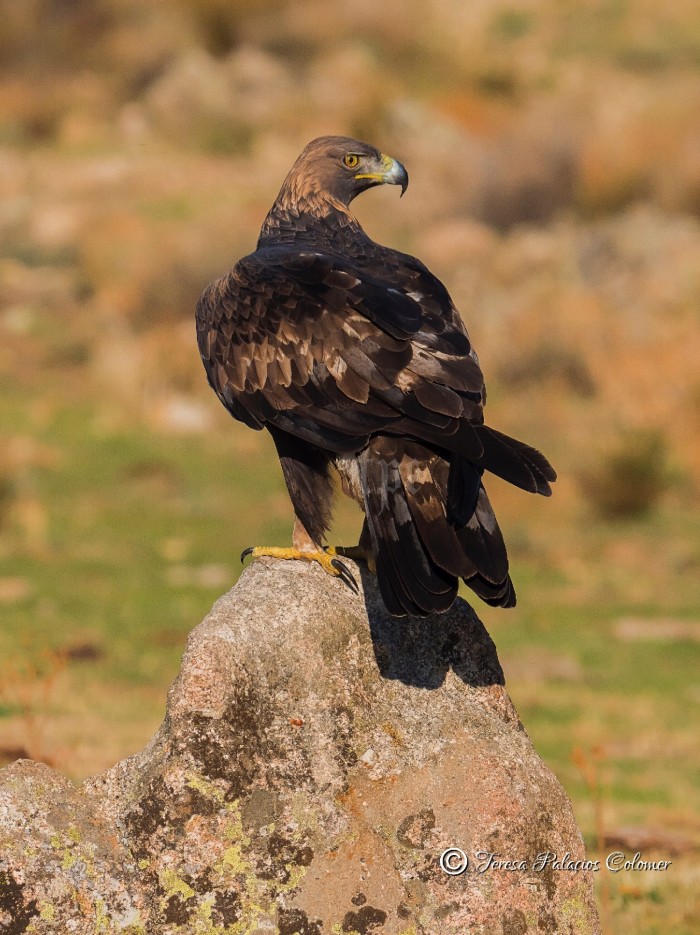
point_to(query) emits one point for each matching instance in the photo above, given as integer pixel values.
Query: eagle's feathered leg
(306, 474)
(305, 470)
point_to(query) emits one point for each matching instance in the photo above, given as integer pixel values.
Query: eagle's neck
(312, 218)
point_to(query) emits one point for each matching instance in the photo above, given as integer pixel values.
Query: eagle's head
(337, 168)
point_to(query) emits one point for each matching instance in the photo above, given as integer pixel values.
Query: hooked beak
(391, 173)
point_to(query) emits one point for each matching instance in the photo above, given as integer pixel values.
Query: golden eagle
(353, 356)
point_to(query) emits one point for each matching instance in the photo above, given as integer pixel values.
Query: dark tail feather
(421, 544)
(473, 536)
(482, 541)
(463, 486)
(410, 581)
(515, 461)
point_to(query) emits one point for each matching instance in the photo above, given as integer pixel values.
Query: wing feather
(361, 347)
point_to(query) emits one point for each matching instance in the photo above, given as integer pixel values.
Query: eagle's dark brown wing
(334, 352)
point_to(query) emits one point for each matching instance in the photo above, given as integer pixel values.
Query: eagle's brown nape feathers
(329, 173)
(353, 356)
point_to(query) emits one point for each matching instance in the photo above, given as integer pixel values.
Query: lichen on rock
(316, 758)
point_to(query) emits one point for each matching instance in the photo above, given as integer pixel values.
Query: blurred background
(554, 155)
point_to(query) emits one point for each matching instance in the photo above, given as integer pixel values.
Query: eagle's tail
(430, 523)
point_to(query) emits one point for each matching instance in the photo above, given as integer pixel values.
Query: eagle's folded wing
(304, 342)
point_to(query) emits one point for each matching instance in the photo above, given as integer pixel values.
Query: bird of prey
(354, 357)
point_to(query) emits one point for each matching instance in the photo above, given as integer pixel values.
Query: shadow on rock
(420, 651)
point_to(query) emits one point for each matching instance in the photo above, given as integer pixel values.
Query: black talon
(346, 576)
(246, 552)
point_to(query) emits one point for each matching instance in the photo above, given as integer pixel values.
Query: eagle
(354, 358)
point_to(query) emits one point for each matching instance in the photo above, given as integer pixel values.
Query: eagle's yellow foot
(356, 553)
(332, 566)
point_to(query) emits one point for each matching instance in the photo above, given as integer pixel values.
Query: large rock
(316, 759)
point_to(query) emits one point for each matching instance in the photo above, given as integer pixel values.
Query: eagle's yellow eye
(351, 160)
